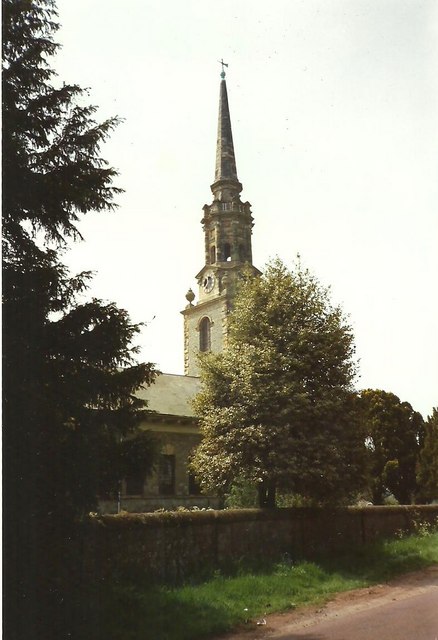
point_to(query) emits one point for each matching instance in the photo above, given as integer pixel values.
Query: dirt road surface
(405, 609)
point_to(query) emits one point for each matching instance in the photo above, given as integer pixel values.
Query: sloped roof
(171, 394)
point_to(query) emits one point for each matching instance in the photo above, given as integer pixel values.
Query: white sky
(334, 108)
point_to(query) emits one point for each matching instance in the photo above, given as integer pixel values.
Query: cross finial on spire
(224, 64)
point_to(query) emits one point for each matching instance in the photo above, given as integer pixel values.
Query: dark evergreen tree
(427, 472)
(69, 368)
(394, 436)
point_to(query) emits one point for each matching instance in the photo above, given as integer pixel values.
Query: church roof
(171, 394)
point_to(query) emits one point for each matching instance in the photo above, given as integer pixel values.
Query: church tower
(227, 225)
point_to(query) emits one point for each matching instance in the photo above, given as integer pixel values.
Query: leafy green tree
(242, 495)
(69, 368)
(277, 408)
(394, 435)
(427, 476)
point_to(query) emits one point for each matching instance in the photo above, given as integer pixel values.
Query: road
(405, 609)
(412, 618)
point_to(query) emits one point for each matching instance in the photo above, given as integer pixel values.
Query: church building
(227, 225)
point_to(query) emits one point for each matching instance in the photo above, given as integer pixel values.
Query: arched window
(212, 254)
(205, 334)
(227, 252)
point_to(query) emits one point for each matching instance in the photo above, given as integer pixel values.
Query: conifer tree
(277, 408)
(427, 475)
(69, 368)
(394, 436)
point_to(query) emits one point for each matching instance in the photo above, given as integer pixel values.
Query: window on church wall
(241, 253)
(213, 254)
(227, 252)
(205, 335)
(166, 475)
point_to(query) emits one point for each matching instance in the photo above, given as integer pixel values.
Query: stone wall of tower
(217, 312)
(228, 223)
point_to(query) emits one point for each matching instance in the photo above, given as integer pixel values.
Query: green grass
(134, 611)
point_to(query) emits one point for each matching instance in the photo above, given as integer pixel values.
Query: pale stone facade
(173, 424)
(216, 312)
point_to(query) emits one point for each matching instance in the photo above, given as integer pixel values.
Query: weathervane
(224, 64)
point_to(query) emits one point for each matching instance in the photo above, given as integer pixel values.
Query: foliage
(277, 408)
(242, 495)
(394, 434)
(295, 500)
(424, 528)
(52, 170)
(69, 367)
(427, 476)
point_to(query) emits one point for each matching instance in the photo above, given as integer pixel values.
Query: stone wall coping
(202, 517)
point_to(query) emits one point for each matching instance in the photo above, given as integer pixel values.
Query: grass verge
(133, 611)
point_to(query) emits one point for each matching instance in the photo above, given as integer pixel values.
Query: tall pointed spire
(226, 183)
(225, 158)
(227, 224)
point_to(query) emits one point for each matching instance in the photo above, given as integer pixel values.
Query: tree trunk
(377, 492)
(267, 492)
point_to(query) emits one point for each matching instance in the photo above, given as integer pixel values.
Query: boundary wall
(171, 547)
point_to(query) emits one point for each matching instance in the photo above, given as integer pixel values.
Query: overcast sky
(334, 108)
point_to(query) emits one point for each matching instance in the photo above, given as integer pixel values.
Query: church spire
(226, 183)
(227, 224)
